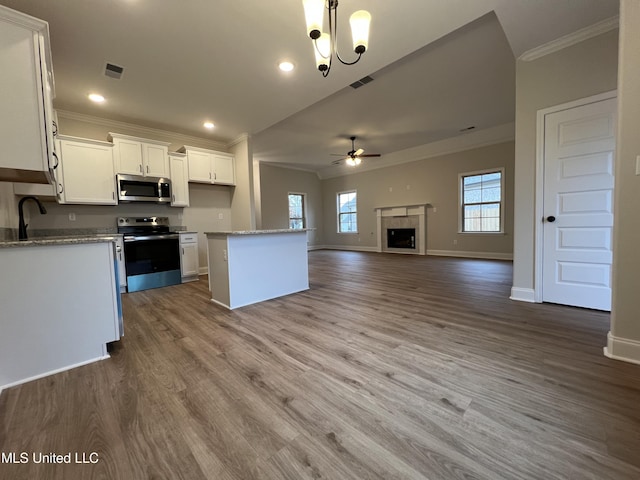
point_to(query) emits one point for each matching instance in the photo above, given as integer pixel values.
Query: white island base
(247, 267)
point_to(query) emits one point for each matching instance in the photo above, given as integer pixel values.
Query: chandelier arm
(334, 37)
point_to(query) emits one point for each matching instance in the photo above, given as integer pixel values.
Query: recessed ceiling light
(95, 97)
(208, 125)
(286, 66)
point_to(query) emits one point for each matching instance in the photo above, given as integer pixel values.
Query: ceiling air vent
(361, 82)
(113, 71)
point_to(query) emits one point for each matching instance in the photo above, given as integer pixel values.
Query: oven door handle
(169, 236)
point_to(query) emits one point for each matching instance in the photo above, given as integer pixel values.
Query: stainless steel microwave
(135, 188)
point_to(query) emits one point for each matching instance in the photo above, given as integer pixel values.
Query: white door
(579, 145)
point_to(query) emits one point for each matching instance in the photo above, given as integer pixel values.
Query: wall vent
(113, 71)
(361, 82)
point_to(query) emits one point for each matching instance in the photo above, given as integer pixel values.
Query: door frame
(539, 188)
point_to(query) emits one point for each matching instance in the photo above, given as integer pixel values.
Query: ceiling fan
(354, 157)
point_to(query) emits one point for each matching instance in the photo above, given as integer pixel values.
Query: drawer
(188, 238)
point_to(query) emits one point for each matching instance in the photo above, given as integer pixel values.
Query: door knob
(551, 219)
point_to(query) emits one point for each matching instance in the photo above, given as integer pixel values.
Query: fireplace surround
(402, 219)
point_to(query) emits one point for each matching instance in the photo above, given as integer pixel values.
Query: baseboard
(482, 255)
(53, 372)
(346, 247)
(523, 294)
(622, 349)
(311, 248)
(203, 270)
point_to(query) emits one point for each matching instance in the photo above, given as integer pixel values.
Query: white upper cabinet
(224, 169)
(179, 169)
(86, 172)
(26, 123)
(140, 156)
(209, 166)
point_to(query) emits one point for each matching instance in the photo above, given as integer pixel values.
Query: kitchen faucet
(22, 228)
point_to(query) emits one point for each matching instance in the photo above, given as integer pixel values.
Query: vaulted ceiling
(438, 67)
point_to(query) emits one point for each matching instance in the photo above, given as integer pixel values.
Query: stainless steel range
(151, 252)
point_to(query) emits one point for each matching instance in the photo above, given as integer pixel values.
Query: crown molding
(571, 39)
(178, 138)
(240, 138)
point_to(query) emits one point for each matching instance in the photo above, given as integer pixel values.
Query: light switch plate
(638, 165)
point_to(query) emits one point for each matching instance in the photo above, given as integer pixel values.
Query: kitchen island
(251, 266)
(60, 305)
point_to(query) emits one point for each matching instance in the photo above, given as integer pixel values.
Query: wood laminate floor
(389, 367)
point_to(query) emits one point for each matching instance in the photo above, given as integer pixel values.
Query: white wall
(579, 71)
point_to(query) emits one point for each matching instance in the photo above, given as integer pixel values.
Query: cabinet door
(128, 155)
(87, 173)
(179, 178)
(24, 101)
(189, 260)
(154, 159)
(200, 167)
(122, 271)
(224, 168)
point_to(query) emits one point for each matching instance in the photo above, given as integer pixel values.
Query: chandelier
(325, 44)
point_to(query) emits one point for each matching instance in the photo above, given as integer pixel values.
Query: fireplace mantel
(415, 218)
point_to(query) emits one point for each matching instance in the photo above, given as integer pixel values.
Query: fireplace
(402, 229)
(401, 238)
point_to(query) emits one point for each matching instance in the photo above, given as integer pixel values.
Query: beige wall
(8, 206)
(434, 181)
(275, 184)
(243, 213)
(625, 315)
(579, 71)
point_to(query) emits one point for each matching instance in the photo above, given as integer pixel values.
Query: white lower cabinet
(189, 256)
(86, 172)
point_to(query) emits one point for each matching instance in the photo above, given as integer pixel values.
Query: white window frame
(461, 200)
(338, 212)
(304, 210)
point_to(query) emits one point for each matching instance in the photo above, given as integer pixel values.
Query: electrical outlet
(391, 189)
(435, 209)
(72, 217)
(408, 187)
(220, 216)
(455, 242)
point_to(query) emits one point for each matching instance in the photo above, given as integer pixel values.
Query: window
(347, 212)
(297, 218)
(481, 201)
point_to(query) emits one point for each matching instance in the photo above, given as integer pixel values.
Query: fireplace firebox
(401, 238)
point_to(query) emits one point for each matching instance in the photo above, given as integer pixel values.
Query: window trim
(338, 212)
(461, 200)
(304, 210)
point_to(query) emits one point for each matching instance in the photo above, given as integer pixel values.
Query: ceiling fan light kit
(325, 44)
(354, 157)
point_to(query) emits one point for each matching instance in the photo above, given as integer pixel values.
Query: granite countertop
(259, 232)
(63, 240)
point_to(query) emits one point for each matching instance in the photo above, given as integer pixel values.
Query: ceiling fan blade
(337, 154)
(369, 155)
(358, 153)
(337, 162)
